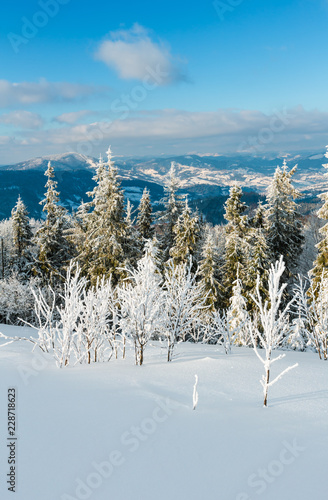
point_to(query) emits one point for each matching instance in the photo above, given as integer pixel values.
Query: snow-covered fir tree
(22, 235)
(6, 247)
(283, 220)
(131, 244)
(259, 221)
(209, 270)
(237, 316)
(144, 218)
(186, 236)
(258, 261)
(321, 262)
(105, 224)
(173, 207)
(312, 236)
(236, 248)
(54, 248)
(258, 255)
(77, 234)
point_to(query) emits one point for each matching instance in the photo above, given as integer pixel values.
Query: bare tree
(94, 339)
(312, 308)
(142, 303)
(274, 325)
(185, 304)
(67, 327)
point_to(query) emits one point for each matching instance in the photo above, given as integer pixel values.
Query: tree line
(104, 278)
(107, 238)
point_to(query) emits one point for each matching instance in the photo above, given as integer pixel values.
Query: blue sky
(162, 78)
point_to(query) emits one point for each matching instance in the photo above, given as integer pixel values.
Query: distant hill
(66, 162)
(204, 178)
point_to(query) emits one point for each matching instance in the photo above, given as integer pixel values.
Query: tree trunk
(2, 259)
(139, 348)
(124, 342)
(317, 343)
(170, 352)
(136, 352)
(115, 345)
(266, 387)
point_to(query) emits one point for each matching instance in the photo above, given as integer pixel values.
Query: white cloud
(27, 93)
(22, 119)
(73, 117)
(174, 131)
(132, 53)
(230, 125)
(5, 140)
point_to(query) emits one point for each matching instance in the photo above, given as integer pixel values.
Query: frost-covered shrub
(274, 325)
(185, 304)
(312, 307)
(142, 303)
(16, 300)
(6, 247)
(82, 327)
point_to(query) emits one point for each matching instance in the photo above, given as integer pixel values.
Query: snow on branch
(274, 325)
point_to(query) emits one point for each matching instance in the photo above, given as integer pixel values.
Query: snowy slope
(251, 171)
(139, 421)
(201, 177)
(66, 162)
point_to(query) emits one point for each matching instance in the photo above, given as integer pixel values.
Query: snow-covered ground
(124, 432)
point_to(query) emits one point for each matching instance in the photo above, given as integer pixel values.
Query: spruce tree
(283, 220)
(186, 237)
(236, 246)
(131, 244)
(258, 258)
(22, 235)
(77, 235)
(144, 218)
(173, 206)
(209, 271)
(105, 226)
(54, 247)
(259, 220)
(237, 315)
(6, 248)
(321, 263)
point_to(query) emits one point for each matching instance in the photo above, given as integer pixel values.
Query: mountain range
(206, 179)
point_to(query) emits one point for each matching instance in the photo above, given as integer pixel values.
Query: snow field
(119, 431)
